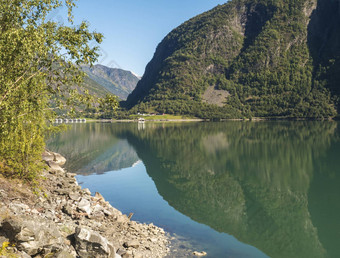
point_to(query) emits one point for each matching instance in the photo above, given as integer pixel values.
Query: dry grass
(13, 189)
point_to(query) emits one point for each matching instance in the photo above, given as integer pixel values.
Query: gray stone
(91, 244)
(55, 168)
(32, 235)
(107, 213)
(69, 174)
(85, 206)
(23, 255)
(19, 208)
(59, 160)
(99, 196)
(74, 196)
(67, 209)
(64, 254)
(47, 156)
(127, 254)
(199, 253)
(132, 243)
(87, 191)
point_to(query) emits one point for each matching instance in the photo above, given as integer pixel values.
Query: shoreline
(65, 220)
(254, 119)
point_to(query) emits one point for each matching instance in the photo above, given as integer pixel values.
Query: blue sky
(133, 28)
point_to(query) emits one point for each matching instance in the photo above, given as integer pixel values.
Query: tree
(108, 105)
(38, 58)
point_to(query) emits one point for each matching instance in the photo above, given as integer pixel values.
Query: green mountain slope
(248, 58)
(95, 88)
(116, 81)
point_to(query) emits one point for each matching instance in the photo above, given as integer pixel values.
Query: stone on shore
(91, 244)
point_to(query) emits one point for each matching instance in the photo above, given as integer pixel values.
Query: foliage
(38, 57)
(108, 106)
(262, 52)
(4, 252)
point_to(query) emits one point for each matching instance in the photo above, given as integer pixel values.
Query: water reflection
(273, 185)
(93, 148)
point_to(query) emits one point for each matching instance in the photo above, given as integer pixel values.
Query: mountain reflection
(250, 180)
(93, 148)
(273, 185)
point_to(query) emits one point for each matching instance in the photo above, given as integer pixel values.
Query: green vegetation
(274, 58)
(159, 117)
(108, 106)
(38, 58)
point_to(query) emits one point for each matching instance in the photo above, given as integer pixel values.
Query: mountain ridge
(265, 56)
(117, 81)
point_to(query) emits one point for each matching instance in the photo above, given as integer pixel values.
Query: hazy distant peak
(118, 81)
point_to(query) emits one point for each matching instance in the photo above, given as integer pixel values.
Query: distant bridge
(69, 120)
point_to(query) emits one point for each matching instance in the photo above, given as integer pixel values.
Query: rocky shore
(64, 220)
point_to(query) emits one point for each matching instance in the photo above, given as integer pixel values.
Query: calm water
(233, 189)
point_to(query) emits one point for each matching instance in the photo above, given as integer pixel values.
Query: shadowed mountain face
(273, 185)
(248, 58)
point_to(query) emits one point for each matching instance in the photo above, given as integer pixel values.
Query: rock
(74, 196)
(58, 159)
(107, 213)
(67, 209)
(85, 206)
(127, 254)
(138, 256)
(64, 254)
(47, 156)
(55, 168)
(91, 244)
(45, 226)
(61, 191)
(3, 240)
(19, 208)
(24, 255)
(71, 174)
(32, 236)
(86, 191)
(132, 243)
(99, 196)
(199, 253)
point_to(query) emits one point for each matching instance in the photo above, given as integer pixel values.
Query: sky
(133, 28)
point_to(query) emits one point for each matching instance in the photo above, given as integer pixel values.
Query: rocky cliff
(248, 58)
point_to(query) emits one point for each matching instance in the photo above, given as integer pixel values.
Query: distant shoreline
(254, 119)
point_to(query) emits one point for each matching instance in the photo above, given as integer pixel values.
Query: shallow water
(232, 189)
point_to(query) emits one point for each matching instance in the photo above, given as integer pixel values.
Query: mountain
(95, 88)
(116, 81)
(248, 58)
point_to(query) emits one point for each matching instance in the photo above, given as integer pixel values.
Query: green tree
(38, 57)
(108, 105)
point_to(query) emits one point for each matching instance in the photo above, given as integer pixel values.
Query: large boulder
(33, 236)
(91, 244)
(55, 157)
(55, 168)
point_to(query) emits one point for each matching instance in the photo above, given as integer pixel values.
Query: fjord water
(232, 189)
